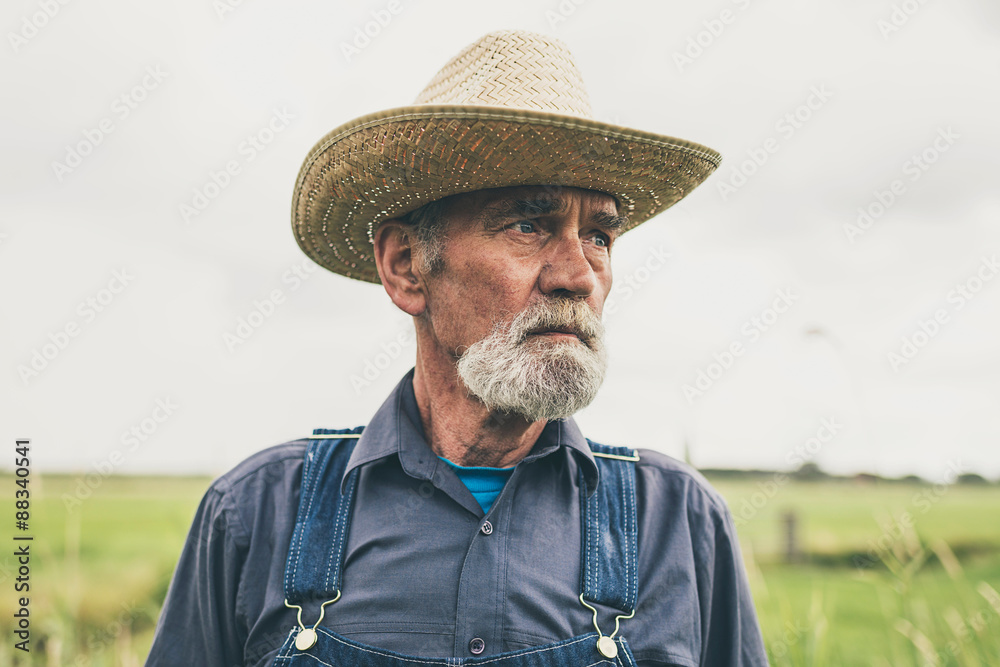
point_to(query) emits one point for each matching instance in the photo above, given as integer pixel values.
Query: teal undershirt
(484, 483)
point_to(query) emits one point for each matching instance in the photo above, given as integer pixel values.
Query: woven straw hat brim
(386, 164)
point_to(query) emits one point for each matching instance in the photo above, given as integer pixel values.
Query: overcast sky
(858, 196)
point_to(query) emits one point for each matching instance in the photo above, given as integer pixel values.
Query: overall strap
(610, 530)
(316, 552)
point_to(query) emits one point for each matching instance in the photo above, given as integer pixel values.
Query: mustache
(564, 315)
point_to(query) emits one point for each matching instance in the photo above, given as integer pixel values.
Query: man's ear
(397, 268)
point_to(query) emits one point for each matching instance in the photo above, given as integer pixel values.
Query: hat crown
(514, 69)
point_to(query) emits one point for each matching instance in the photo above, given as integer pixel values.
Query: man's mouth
(557, 332)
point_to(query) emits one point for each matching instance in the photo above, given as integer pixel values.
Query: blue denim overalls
(315, 560)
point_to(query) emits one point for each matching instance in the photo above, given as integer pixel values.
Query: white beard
(538, 377)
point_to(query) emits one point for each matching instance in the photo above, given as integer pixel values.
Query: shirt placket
(482, 586)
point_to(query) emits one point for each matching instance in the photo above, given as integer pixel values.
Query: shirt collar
(396, 428)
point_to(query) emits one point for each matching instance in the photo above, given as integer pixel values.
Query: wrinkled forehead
(536, 199)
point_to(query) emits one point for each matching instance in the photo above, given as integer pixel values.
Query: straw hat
(510, 109)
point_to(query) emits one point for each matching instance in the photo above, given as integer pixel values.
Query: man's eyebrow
(508, 208)
(609, 221)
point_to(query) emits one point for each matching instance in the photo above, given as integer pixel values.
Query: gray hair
(428, 224)
(512, 372)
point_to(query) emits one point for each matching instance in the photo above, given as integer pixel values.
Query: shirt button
(477, 646)
(487, 528)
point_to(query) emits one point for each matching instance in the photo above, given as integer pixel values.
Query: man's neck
(460, 428)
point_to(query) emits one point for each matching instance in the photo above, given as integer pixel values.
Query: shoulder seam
(258, 468)
(709, 492)
(224, 488)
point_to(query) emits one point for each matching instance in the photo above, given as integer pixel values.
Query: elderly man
(470, 522)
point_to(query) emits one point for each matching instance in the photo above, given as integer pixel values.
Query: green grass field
(885, 574)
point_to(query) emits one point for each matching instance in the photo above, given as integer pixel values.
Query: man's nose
(568, 272)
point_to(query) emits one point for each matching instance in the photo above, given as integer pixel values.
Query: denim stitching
(282, 650)
(597, 544)
(593, 545)
(631, 520)
(592, 508)
(626, 652)
(372, 652)
(621, 537)
(336, 537)
(435, 662)
(542, 649)
(292, 577)
(593, 553)
(313, 481)
(595, 531)
(623, 482)
(634, 545)
(585, 526)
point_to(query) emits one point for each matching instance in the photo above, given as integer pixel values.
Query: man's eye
(601, 240)
(525, 227)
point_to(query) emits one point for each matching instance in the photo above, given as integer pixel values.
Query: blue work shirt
(416, 582)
